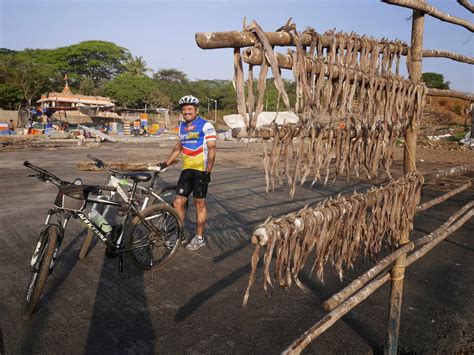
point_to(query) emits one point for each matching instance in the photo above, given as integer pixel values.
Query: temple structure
(68, 100)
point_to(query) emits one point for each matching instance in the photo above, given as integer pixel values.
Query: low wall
(7, 115)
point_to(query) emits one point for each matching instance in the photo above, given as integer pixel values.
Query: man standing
(197, 142)
(11, 127)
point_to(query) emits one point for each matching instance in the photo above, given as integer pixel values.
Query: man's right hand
(162, 165)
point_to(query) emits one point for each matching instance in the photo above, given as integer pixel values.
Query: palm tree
(137, 66)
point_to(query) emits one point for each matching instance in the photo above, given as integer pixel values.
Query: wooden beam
(329, 319)
(451, 93)
(430, 53)
(237, 39)
(255, 56)
(336, 299)
(428, 242)
(443, 197)
(467, 5)
(421, 6)
(449, 171)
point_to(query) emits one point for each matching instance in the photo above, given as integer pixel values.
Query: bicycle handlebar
(101, 164)
(44, 174)
(47, 176)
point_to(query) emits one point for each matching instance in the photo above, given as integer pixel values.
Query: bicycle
(141, 233)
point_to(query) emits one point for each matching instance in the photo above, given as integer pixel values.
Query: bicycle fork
(40, 247)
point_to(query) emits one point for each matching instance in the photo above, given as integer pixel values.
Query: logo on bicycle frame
(90, 225)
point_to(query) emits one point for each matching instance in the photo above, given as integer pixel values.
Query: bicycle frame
(117, 183)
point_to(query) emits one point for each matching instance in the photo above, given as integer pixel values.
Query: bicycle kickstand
(120, 263)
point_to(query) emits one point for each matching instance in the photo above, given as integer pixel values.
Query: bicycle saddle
(137, 177)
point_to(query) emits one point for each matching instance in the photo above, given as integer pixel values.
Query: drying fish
(351, 101)
(335, 231)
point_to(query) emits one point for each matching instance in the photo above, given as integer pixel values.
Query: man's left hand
(206, 177)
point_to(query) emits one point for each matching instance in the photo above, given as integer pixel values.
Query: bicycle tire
(39, 276)
(146, 245)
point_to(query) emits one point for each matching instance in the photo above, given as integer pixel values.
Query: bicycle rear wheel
(41, 260)
(155, 237)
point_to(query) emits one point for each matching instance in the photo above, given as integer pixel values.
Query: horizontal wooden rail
(435, 53)
(467, 5)
(240, 39)
(428, 242)
(449, 171)
(442, 198)
(336, 299)
(254, 56)
(432, 11)
(451, 93)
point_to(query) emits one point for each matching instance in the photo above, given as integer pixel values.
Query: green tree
(10, 96)
(98, 61)
(30, 76)
(130, 90)
(136, 66)
(173, 76)
(158, 99)
(435, 80)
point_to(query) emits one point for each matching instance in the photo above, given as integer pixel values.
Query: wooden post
(86, 244)
(398, 271)
(472, 126)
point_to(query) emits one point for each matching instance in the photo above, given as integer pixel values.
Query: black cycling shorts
(191, 181)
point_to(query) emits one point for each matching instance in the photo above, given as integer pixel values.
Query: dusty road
(193, 305)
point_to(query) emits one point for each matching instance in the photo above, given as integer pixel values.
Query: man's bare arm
(211, 155)
(174, 153)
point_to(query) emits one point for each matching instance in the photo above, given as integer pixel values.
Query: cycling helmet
(188, 100)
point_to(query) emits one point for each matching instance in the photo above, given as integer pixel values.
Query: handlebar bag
(71, 197)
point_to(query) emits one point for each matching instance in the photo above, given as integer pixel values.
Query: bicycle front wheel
(41, 263)
(155, 236)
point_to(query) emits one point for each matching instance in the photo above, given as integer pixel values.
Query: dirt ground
(193, 305)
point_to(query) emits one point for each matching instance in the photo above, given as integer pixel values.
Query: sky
(163, 31)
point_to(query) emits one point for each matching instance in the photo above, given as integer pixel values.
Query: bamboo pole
(428, 242)
(442, 198)
(336, 299)
(435, 240)
(422, 7)
(448, 172)
(254, 56)
(451, 93)
(329, 319)
(467, 5)
(427, 53)
(398, 270)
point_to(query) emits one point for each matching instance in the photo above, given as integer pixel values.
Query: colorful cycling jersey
(194, 137)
